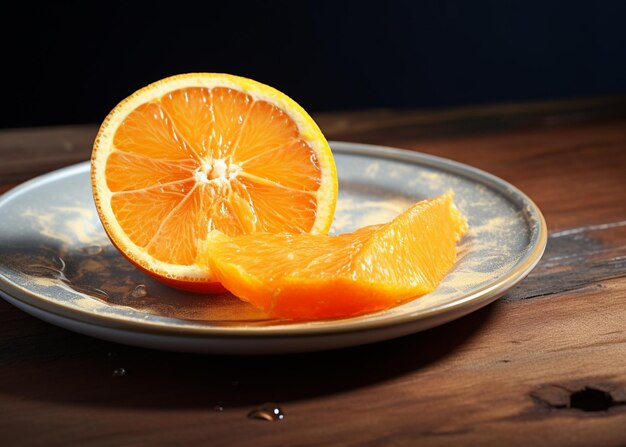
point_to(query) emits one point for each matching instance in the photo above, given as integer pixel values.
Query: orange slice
(200, 152)
(307, 277)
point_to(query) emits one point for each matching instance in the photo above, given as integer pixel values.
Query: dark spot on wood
(586, 398)
(591, 399)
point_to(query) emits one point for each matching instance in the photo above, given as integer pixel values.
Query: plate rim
(470, 302)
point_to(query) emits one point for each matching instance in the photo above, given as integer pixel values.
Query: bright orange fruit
(307, 277)
(200, 152)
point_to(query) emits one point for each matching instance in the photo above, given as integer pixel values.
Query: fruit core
(216, 170)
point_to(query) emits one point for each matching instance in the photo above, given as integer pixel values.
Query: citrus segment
(306, 277)
(297, 168)
(146, 172)
(200, 152)
(192, 110)
(280, 208)
(149, 131)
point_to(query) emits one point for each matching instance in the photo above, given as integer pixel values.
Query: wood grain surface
(544, 365)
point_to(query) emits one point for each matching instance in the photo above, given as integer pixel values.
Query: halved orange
(200, 152)
(308, 277)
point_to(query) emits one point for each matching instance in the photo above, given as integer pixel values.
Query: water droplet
(111, 354)
(119, 372)
(140, 291)
(218, 408)
(267, 412)
(92, 250)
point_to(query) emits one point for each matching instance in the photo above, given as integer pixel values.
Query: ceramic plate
(57, 263)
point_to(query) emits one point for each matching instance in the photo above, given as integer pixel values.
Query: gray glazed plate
(57, 263)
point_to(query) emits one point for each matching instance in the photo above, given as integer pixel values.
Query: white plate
(57, 264)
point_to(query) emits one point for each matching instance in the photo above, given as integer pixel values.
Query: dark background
(71, 62)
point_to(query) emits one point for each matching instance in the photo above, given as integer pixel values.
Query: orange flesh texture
(200, 159)
(306, 277)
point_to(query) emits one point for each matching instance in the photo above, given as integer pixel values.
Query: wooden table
(544, 365)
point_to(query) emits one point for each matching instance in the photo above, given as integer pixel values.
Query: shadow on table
(60, 366)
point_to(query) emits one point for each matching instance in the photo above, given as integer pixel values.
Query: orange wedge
(200, 152)
(308, 277)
